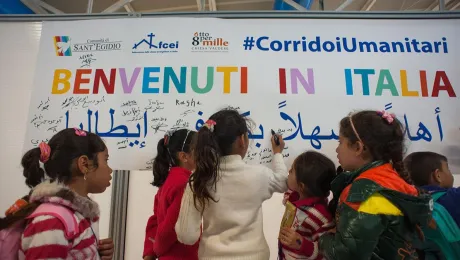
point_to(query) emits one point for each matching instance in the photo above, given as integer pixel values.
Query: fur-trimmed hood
(58, 193)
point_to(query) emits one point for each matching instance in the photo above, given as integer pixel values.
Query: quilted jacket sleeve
(356, 237)
(150, 232)
(166, 236)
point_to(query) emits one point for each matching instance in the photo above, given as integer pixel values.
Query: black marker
(275, 137)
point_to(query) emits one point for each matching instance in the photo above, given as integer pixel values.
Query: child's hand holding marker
(277, 143)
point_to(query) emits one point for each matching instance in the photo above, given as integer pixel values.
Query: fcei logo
(149, 45)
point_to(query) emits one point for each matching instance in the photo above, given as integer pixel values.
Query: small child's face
(347, 155)
(444, 176)
(99, 179)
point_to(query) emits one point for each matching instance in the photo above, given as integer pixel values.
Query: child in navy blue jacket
(430, 171)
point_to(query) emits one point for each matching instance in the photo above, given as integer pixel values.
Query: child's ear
(182, 157)
(436, 175)
(302, 187)
(83, 164)
(359, 148)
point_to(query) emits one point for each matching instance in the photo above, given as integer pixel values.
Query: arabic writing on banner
(151, 119)
(131, 88)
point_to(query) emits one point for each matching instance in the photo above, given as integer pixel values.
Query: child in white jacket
(227, 194)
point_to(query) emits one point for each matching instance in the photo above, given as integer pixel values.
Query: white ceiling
(149, 6)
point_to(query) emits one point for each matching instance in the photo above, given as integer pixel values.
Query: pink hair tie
(45, 151)
(387, 116)
(79, 132)
(210, 125)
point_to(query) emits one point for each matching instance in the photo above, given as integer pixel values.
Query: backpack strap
(437, 195)
(444, 220)
(64, 214)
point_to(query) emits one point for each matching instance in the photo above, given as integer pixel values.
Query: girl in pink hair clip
(379, 214)
(227, 193)
(58, 220)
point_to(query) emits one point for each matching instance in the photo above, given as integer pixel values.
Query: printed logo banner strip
(130, 82)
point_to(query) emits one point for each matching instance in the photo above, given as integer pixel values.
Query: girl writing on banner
(307, 211)
(378, 212)
(74, 165)
(172, 168)
(227, 193)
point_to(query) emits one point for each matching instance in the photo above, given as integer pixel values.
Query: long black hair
(209, 147)
(167, 153)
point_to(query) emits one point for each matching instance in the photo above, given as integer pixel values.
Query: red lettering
(101, 77)
(442, 76)
(80, 80)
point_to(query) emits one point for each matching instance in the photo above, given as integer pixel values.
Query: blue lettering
(147, 79)
(276, 45)
(259, 41)
(328, 46)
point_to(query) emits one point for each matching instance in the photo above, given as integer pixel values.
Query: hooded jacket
(43, 237)
(377, 215)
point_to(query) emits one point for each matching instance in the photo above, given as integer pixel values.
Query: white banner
(130, 80)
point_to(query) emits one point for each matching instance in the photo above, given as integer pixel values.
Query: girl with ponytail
(227, 193)
(61, 174)
(172, 168)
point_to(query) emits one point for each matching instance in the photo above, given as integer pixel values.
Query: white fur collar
(55, 192)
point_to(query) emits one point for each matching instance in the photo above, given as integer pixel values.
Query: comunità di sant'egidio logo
(204, 42)
(64, 47)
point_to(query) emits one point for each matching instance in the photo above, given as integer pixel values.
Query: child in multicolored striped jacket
(75, 162)
(309, 183)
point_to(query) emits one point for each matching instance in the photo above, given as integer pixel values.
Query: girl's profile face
(98, 179)
(348, 156)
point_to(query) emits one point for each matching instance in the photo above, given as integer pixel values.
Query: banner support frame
(241, 15)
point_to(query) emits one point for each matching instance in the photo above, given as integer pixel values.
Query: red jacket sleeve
(166, 234)
(150, 232)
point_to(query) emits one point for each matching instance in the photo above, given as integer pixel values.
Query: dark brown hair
(421, 165)
(316, 172)
(65, 146)
(178, 141)
(209, 147)
(381, 140)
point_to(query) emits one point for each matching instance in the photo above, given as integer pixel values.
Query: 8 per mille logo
(204, 42)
